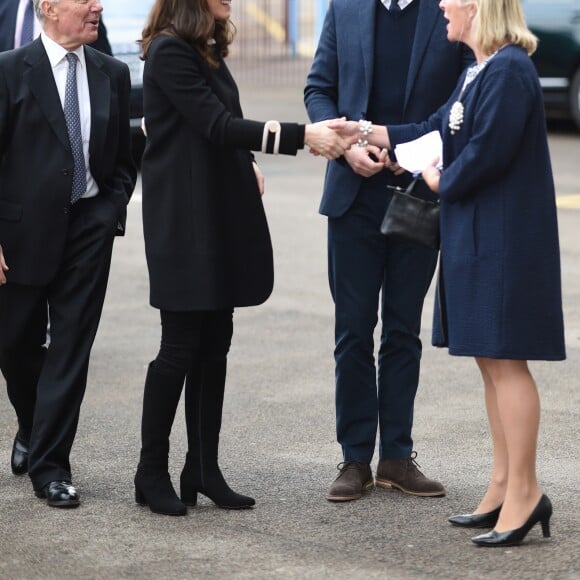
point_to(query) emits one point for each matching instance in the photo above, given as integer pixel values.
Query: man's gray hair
(37, 9)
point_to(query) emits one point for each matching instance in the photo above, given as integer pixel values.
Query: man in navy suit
(12, 16)
(388, 62)
(66, 175)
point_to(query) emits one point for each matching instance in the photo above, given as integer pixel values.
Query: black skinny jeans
(193, 337)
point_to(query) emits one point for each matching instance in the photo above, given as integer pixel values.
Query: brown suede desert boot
(354, 478)
(403, 474)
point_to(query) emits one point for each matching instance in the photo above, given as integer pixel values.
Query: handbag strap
(409, 189)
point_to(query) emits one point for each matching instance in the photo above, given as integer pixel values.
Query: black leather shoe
(19, 458)
(542, 514)
(59, 494)
(487, 520)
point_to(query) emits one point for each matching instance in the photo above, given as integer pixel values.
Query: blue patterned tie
(27, 33)
(73, 124)
(394, 7)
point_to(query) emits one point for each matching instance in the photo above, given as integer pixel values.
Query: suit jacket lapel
(100, 93)
(41, 82)
(366, 16)
(428, 13)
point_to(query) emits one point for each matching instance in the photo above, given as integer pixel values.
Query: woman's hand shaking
(329, 143)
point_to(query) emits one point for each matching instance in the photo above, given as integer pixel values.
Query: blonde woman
(499, 293)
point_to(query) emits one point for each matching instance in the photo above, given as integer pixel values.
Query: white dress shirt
(402, 3)
(57, 57)
(20, 20)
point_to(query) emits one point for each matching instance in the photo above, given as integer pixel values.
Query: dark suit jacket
(340, 81)
(8, 11)
(206, 235)
(36, 162)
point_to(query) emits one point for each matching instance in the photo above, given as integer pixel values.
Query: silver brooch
(456, 117)
(457, 109)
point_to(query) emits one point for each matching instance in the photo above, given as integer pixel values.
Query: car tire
(575, 98)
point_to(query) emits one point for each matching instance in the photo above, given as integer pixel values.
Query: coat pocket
(10, 212)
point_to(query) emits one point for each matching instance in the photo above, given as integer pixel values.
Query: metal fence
(275, 40)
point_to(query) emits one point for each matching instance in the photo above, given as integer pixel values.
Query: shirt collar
(402, 3)
(56, 53)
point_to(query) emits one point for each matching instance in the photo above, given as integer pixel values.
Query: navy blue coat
(339, 85)
(500, 288)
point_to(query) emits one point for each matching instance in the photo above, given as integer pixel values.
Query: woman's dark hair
(192, 21)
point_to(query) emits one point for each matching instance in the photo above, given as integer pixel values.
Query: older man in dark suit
(19, 26)
(65, 179)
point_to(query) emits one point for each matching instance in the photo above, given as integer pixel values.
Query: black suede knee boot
(204, 396)
(153, 485)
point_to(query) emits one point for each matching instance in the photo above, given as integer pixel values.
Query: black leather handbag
(412, 218)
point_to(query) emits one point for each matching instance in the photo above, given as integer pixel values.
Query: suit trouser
(363, 265)
(46, 386)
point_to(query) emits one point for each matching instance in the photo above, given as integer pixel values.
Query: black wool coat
(206, 236)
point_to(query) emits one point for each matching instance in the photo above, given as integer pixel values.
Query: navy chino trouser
(362, 264)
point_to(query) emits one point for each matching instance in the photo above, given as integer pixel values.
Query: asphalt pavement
(278, 439)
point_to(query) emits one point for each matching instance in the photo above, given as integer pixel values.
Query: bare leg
(518, 406)
(495, 493)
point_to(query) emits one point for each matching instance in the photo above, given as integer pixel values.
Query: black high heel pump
(486, 520)
(542, 513)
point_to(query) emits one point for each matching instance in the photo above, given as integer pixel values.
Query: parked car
(557, 25)
(125, 20)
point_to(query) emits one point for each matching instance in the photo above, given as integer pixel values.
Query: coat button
(65, 172)
(65, 210)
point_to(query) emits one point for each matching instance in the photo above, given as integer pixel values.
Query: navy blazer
(36, 162)
(340, 81)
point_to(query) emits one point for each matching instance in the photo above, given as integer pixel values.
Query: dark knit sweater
(394, 35)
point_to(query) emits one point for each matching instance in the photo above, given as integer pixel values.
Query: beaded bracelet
(365, 127)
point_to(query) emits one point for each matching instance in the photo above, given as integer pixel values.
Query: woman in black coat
(206, 237)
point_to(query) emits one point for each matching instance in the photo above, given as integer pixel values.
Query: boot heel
(189, 498)
(188, 486)
(139, 497)
(384, 484)
(546, 528)
(157, 492)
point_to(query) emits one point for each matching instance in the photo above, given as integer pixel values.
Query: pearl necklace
(457, 109)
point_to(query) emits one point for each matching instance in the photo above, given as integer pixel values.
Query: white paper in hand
(414, 156)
